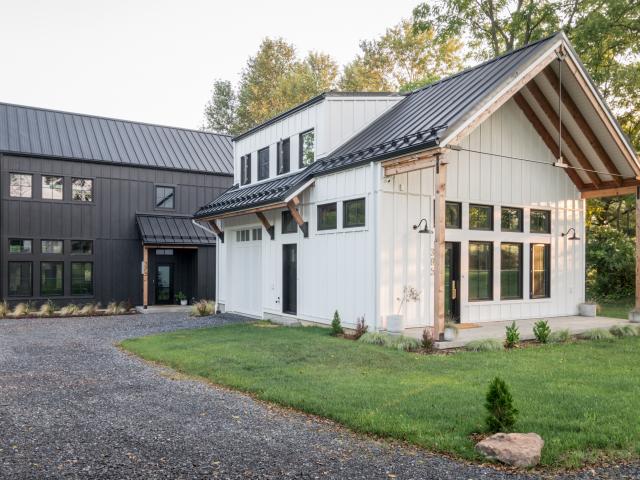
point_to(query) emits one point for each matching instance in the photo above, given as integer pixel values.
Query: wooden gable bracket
(304, 226)
(216, 228)
(267, 226)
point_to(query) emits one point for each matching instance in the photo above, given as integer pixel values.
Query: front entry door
(452, 281)
(164, 284)
(290, 279)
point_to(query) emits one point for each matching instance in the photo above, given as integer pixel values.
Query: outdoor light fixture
(573, 235)
(425, 229)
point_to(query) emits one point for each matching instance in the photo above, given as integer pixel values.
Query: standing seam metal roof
(172, 230)
(51, 133)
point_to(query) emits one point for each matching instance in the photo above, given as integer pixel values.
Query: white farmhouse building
(458, 189)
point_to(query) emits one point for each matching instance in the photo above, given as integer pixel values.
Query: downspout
(204, 228)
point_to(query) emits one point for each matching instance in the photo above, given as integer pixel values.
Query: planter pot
(183, 302)
(450, 334)
(395, 324)
(587, 309)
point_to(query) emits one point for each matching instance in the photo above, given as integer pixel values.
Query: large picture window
(20, 279)
(284, 155)
(289, 225)
(245, 169)
(165, 197)
(51, 279)
(540, 221)
(511, 219)
(81, 278)
(353, 213)
(263, 163)
(480, 271)
(20, 185)
(327, 216)
(540, 270)
(52, 187)
(510, 271)
(453, 215)
(307, 148)
(82, 189)
(480, 217)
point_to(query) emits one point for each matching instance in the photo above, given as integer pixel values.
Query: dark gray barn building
(86, 200)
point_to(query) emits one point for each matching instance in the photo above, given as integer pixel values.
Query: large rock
(516, 449)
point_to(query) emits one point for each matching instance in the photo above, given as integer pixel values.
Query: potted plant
(181, 298)
(395, 323)
(588, 308)
(450, 330)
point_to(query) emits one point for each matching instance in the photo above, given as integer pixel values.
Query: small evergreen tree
(542, 331)
(499, 404)
(336, 326)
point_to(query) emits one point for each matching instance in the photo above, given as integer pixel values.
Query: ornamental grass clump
(623, 331)
(597, 334)
(4, 309)
(336, 325)
(560, 336)
(513, 336)
(71, 309)
(203, 308)
(427, 342)
(402, 343)
(487, 345)
(112, 308)
(499, 404)
(361, 328)
(47, 309)
(541, 330)
(20, 310)
(373, 338)
(89, 309)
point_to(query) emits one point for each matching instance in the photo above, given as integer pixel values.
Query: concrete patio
(496, 330)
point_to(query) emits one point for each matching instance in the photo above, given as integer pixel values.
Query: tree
(220, 112)
(501, 414)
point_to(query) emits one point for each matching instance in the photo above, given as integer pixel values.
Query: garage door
(245, 272)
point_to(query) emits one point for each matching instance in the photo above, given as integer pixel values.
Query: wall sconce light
(573, 235)
(424, 229)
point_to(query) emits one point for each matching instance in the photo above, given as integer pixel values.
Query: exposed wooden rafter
(216, 228)
(610, 189)
(411, 163)
(304, 226)
(551, 114)
(248, 211)
(586, 130)
(267, 226)
(546, 136)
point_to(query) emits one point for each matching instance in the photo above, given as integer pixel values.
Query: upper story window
(540, 221)
(55, 247)
(81, 247)
(165, 197)
(480, 217)
(453, 215)
(353, 213)
(82, 189)
(307, 148)
(263, 163)
(245, 169)
(20, 185)
(284, 154)
(52, 187)
(511, 219)
(18, 245)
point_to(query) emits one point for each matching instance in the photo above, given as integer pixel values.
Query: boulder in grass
(515, 449)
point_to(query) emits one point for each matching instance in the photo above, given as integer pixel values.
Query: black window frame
(83, 294)
(57, 240)
(283, 156)
(491, 295)
(520, 216)
(30, 175)
(77, 241)
(48, 188)
(82, 197)
(480, 205)
(346, 204)
(172, 196)
(458, 206)
(520, 294)
(19, 295)
(245, 169)
(301, 147)
(547, 271)
(289, 224)
(30, 240)
(48, 294)
(263, 166)
(320, 209)
(540, 210)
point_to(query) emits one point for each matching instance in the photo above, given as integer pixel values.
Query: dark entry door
(164, 284)
(290, 279)
(452, 281)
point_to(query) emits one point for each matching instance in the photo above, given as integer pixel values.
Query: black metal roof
(172, 230)
(256, 195)
(51, 133)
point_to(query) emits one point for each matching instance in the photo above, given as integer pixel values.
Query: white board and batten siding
(488, 178)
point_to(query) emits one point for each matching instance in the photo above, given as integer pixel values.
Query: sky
(155, 60)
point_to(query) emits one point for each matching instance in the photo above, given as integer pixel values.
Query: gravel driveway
(73, 406)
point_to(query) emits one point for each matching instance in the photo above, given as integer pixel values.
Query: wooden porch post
(145, 276)
(439, 254)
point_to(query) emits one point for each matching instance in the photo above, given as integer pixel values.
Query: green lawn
(618, 309)
(582, 398)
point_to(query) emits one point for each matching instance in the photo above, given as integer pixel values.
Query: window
(511, 219)
(257, 234)
(82, 189)
(164, 251)
(353, 213)
(81, 278)
(165, 197)
(52, 187)
(243, 235)
(20, 185)
(540, 270)
(540, 221)
(289, 225)
(510, 271)
(283, 156)
(307, 148)
(51, 278)
(81, 247)
(263, 163)
(453, 215)
(480, 271)
(54, 247)
(328, 216)
(480, 217)
(19, 246)
(245, 169)
(20, 279)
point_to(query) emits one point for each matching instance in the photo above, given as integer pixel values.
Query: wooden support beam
(586, 130)
(267, 226)
(216, 228)
(410, 166)
(145, 276)
(608, 192)
(249, 211)
(439, 254)
(546, 137)
(304, 226)
(566, 136)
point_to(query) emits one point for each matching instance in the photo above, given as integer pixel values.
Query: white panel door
(245, 276)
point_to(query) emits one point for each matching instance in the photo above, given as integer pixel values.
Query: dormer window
(263, 163)
(245, 169)
(284, 153)
(307, 148)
